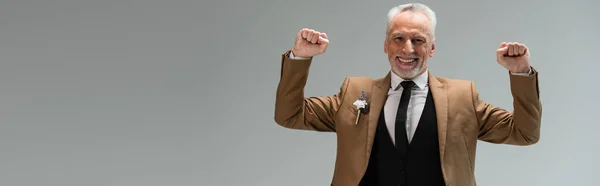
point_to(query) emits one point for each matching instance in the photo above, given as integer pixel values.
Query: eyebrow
(397, 34)
(400, 34)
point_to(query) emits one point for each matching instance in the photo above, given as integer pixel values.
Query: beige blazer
(462, 117)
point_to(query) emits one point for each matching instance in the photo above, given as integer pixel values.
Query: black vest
(419, 166)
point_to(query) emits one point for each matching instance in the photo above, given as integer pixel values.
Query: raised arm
(292, 109)
(522, 126)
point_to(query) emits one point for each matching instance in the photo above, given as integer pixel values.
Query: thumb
(502, 51)
(324, 35)
(323, 39)
(503, 44)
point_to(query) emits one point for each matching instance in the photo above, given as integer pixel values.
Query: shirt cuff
(522, 73)
(297, 58)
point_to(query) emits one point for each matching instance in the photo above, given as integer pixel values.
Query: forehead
(410, 22)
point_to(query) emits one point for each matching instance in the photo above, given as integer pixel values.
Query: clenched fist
(310, 43)
(514, 57)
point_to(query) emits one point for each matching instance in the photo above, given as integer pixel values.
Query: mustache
(407, 56)
(412, 55)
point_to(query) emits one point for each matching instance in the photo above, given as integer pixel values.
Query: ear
(432, 50)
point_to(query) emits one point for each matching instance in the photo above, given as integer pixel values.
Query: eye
(418, 40)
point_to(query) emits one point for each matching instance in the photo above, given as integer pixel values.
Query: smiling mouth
(406, 60)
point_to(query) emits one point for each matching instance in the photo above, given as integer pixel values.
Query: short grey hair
(418, 7)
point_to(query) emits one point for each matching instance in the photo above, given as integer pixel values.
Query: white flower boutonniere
(361, 105)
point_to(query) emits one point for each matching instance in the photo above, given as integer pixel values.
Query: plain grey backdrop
(181, 92)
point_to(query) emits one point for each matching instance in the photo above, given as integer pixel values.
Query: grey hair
(413, 7)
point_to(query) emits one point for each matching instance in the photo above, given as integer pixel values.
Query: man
(409, 127)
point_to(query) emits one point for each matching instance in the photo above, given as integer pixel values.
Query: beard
(407, 70)
(408, 74)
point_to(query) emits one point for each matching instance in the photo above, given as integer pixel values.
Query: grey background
(181, 92)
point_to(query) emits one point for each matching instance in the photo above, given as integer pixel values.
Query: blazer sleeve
(295, 111)
(520, 127)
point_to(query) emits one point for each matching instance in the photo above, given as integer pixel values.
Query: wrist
(526, 73)
(292, 55)
(522, 70)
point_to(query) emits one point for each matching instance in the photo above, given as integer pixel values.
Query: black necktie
(400, 129)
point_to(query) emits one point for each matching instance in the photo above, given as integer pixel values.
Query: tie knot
(407, 84)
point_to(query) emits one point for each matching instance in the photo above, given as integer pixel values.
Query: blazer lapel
(380, 92)
(440, 98)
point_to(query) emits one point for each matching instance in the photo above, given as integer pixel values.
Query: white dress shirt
(415, 106)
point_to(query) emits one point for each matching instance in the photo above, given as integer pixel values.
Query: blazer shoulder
(360, 79)
(354, 82)
(455, 84)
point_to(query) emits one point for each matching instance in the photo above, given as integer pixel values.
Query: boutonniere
(361, 105)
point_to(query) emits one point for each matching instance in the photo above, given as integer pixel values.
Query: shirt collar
(420, 81)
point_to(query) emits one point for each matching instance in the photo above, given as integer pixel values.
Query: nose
(408, 47)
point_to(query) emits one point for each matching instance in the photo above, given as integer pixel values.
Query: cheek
(423, 52)
(392, 47)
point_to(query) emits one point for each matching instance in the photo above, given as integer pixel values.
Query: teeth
(406, 61)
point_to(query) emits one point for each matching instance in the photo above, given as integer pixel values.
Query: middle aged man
(409, 127)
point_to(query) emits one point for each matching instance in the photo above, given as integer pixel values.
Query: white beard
(408, 75)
